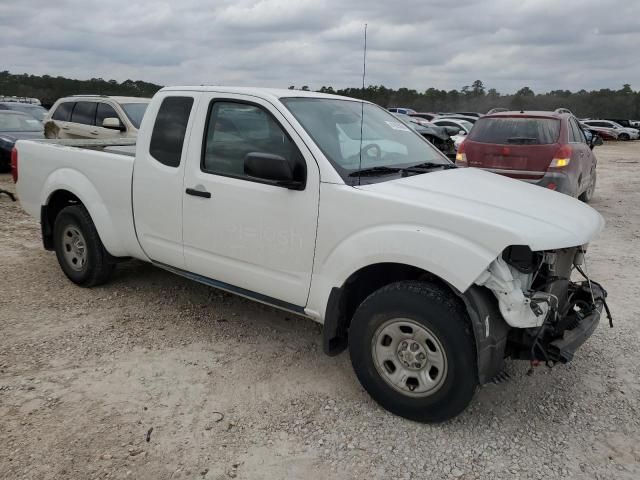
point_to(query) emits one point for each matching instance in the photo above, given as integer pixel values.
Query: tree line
(603, 103)
(48, 89)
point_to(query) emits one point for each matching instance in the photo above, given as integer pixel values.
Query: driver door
(239, 233)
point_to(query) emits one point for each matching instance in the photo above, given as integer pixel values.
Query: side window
(579, 134)
(63, 112)
(572, 131)
(168, 133)
(84, 113)
(105, 111)
(236, 129)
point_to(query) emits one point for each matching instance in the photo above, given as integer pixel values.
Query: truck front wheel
(413, 351)
(79, 249)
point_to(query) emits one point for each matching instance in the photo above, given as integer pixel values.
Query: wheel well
(344, 301)
(57, 201)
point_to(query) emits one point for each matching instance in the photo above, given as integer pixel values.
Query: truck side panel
(101, 180)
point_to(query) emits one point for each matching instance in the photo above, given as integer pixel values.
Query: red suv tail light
(14, 165)
(562, 158)
(461, 157)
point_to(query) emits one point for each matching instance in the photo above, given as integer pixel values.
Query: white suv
(95, 116)
(624, 133)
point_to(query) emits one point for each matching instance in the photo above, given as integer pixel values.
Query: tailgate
(520, 146)
(518, 161)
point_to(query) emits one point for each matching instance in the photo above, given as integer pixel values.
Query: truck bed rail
(89, 143)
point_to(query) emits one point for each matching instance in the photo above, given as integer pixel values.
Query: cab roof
(266, 93)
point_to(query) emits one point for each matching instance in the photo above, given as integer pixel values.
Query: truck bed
(95, 171)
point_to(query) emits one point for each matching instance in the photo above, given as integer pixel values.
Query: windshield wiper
(381, 170)
(427, 165)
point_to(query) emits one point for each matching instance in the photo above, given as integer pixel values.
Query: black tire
(589, 193)
(97, 267)
(430, 306)
(624, 137)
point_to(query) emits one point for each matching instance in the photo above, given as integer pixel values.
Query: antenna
(364, 73)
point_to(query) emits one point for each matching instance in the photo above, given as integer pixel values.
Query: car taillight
(14, 165)
(461, 157)
(562, 158)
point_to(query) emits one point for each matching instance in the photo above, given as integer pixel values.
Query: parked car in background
(440, 137)
(462, 127)
(605, 133)
(95, 116)
(453, 116)
(470, 114)
(635, 123)
(626, 123)
(403, 110)
(425, 115)
(497, 110)
(15, 126)
(548, 149)
(623, 132)
(35, 111)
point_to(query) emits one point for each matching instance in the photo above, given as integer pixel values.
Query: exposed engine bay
(550, 314)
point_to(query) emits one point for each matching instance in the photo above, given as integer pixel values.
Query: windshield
(18, 122)
(135, 112)
(528, 130)
(335, 126)
(467, 125)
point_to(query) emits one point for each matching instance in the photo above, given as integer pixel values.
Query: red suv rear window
(516, 130)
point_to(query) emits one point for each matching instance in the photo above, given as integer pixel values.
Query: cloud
(446, 44)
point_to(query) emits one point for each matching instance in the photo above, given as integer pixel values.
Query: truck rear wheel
(413, 351)
(79, 249)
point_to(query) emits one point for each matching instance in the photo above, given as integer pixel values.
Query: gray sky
(545, 44)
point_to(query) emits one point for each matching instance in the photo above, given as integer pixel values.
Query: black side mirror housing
(273, 169)
(596, 140)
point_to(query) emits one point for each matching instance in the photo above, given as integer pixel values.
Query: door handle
(65, 128)
(198, 193)
(93, 132)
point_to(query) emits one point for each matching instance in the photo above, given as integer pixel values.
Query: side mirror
(596, 140)
(272, 169)
(462, 132)
(112, 123)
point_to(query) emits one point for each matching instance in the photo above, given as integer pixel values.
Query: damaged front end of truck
(542, 313)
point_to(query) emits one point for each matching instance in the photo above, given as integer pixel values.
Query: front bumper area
(564, 331)
(563, 349)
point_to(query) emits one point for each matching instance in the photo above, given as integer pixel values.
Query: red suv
(544, 148)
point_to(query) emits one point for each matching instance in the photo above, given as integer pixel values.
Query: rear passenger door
(83, 119)
(158, 176)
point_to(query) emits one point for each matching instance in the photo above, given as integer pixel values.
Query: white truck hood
(492, 209)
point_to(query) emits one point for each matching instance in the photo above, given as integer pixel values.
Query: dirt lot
(155, 377)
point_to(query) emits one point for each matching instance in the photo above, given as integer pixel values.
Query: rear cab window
(167, 137)
(516, 130)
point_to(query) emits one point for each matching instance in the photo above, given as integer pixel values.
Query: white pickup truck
(330, 208)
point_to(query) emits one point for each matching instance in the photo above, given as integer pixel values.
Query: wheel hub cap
(74, 248)
(409, 357)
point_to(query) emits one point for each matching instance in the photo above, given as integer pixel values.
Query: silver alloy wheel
(409, 357)
(75, 248)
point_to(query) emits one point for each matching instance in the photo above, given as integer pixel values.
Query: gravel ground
(155, 377)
